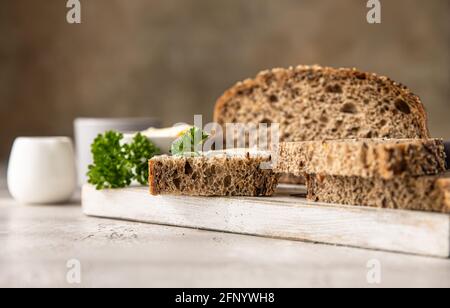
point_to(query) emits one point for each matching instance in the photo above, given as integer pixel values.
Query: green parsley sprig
(139, 152)
(189, 144)
(116, 164)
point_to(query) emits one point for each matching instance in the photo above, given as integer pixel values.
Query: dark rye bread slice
(319, 103)
(215, 173)
(378, 158)
(425, 193)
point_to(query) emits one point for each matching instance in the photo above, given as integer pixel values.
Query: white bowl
(162, 138)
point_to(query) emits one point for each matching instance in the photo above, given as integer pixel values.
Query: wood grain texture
(284, 216)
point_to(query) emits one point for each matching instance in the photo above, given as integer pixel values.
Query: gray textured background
(173, 58)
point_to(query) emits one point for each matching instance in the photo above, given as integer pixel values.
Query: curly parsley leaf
(110, 169)
(189, 143)
(139, 152)
(115, 165)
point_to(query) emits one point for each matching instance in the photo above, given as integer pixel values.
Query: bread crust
(280, 75)
(151, 178)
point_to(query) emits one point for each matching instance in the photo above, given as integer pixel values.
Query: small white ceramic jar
(41, 170)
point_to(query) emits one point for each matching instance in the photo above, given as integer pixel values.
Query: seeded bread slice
(426, 193)
(215, 173)
(319, 103)
(378, 158)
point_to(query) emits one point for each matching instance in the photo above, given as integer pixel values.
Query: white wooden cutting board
(287, 215)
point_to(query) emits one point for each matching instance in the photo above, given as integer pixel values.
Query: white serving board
(288, 215)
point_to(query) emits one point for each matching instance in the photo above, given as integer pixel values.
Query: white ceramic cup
(87, 129)
(41, 170)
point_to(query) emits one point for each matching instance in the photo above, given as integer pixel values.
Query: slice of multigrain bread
(215, 173)
(425, 193)
(378, 158)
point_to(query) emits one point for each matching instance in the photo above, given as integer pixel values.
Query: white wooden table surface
(37, 241)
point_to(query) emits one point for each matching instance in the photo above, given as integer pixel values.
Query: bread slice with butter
(216, 173)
